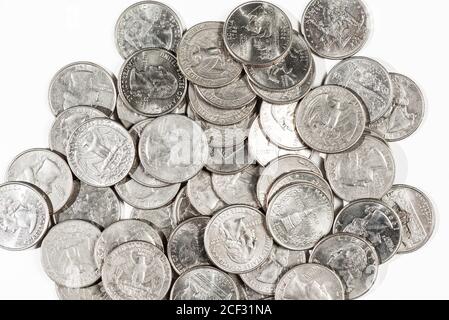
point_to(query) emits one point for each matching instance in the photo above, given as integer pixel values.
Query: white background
(410, 37)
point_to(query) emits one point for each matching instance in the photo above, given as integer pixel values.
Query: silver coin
(83, 84)
(182, 208)
(161, 218)
(124, 231)
(97, 205)
(239, 188)
(291, 71)
(369, 80)
(277, 168)
(24, 216)
(236, 239)
(147, 24)
(145, 198)
(373, 221)
(331, 119)
(204, 283)
(128, 117)
(95, 292)
(251, 295)
(150, 82)
(202, 196)
(278, 124)
(185, 248)
(66, 123)
(416, 213)
(204, 59)
(233, 96)
(229, 161)
(336, 29)
(137, 271)
(46, 170)
(68, 254)
(173, 149)
(258, 33)
(406, 113)
(265, 278)
(353, 258)
(101, 152)
(310, 282)
(367, 171)
(263, 150)
(299, 216)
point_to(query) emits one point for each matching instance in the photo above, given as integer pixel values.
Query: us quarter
(182, 208)
(236, 239)
(95, 292)
(24, 216)
(202, 196)
(46, 170)
(229, 161)
(68, 254)
(128, 117)
(310, 282)
(101, 152)
(162, 218)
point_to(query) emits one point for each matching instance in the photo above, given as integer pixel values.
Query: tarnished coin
(336, 29)
(204, 283)
(182, 208)
(83, 84)
(369, 80)
(265, 278)
(127, 116)
(95, 292)
(185, 248)
(101, 152)
(367, 171)
(233, 96)
(122, 232)
(46, 170)
(204, 59)
(310, 282)
(331, 119)
(278, 124)
(236, 239)
(147, 24)
(66, 123)
(299, 216)
(145, 198)
(68, 254)
(352, 258)
(263, 150)
(239, 188)
(373, 221)
(24, 216)
(258, 33)
(162, 218)
(98, 205)
(229, 161)
(406, 113)
(292, 70)
(202, 196)
(137, 271)
(151, 83)
(173, 149)
(416, 213)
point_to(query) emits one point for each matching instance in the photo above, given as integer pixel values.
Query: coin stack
(240, 178)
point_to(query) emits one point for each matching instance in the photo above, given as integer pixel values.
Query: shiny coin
(336, 29)
(352, 258)
(162, 218)
(68, 254)
(416, 213)
(204, 283)
(203, 58)
(46, 170)
(95, 292)
(101, 152)
(236, 239)
(331, 119)
(24, 216)
(202, 196)
(185, 248)
(258, 33)
(137, 271)
(127, 116)
(373, 221)
(310, 282)
(182, 208)
(251, 295)
(229, 161)
(147, 24)
(150, 82)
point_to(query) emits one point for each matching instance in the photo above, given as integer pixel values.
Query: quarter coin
(202, 196)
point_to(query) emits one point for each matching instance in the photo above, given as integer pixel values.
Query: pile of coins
(242, 180)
